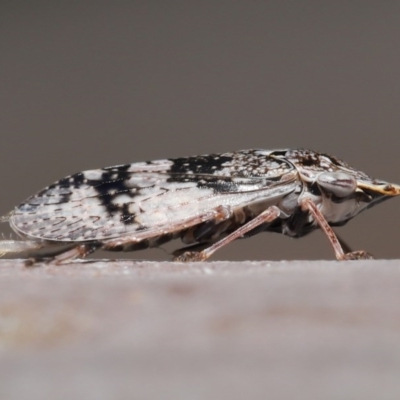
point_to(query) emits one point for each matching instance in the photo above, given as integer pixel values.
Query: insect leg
(127, 243)
(333, 239)
(81, 251)
(65, 255)
(194, 247)
(270, 214)
(19, 246)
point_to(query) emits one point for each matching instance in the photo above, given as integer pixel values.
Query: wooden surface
(249, 330)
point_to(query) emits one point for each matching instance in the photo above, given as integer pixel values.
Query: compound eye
(338, 183)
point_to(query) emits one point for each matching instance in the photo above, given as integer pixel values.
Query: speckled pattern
(200, 199)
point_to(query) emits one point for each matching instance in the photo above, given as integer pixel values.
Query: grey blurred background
(91, 84)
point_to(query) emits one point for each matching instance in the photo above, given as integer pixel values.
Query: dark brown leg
(334, 241)
(268, 215)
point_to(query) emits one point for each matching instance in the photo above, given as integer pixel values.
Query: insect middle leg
(269, 215)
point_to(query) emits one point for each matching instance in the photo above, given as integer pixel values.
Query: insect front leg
(333, 239)
(270, 214)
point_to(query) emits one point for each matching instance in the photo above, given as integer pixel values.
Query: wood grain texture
(126, 329)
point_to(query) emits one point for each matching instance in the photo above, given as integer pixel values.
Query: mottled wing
(141, 199)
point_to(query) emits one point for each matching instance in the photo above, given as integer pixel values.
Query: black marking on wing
(222, 172)
(126, 217)
(68, 183)
(93, 196)
(109, 188)
(201, 165)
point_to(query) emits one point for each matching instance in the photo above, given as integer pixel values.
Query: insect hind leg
(269, 215)
(65, 255)
(19, 246)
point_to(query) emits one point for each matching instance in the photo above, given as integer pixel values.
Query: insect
(207, 201)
